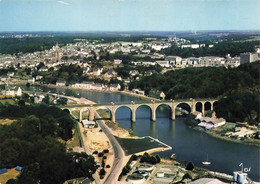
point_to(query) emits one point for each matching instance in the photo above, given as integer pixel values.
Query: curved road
(118, 153)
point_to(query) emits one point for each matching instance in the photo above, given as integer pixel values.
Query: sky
(129, 15)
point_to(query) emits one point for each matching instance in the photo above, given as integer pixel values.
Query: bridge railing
(141, 102)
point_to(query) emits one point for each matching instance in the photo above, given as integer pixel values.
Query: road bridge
(193, 104)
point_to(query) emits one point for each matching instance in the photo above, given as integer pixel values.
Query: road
(118, 153)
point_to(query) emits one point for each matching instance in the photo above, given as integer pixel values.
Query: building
(31, 80)
(60, 83)
(248, 57)
(197, 114)
(117, 61)
(88, 124)
(114, 87)
(173, 60)
(209, 123)
(163, 63)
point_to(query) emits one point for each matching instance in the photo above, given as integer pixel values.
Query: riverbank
(224, 132)
(128, 93)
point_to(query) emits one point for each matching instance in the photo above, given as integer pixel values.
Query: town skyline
(128, 15)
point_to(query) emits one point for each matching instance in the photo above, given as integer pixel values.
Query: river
(187, 144)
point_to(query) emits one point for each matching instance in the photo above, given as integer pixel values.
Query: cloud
(61, 2)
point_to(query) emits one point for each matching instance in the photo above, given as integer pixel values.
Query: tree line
(220, 49)
(32, 141)
(211, 82)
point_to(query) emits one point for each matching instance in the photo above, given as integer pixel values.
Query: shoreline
(224, 138)
(129, 93)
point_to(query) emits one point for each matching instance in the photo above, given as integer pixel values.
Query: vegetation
(201, 82)
(33, 143)
(239, 107)
(219, 49)
(150, 158)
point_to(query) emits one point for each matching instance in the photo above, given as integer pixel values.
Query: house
(88, 124)
(10, 74)
(39, 77)
(137, 91)
(31, 80)
(117, 61)
(114, 87)
(43, 69)
(13, 92)
(209, 123)
(163, 63)
(19, 168)
(61, 83)
(38, 98)
(162, 96)
(97, 86)
(4, 78)
(173, 60)
(197, 114)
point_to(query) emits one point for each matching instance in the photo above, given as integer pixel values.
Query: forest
(210, 82)
(220, 49)
(33, 141)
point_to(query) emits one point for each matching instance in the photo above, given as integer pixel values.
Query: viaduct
(193, 104)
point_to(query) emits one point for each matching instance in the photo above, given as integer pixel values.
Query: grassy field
(140, 144)
(103, 113)
(12, 173)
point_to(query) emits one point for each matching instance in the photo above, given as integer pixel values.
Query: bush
(95, 152)
(153, 160)
(100, 154)
(105, 151)
(190, 166)
(158, 158)
(102, 172)
(104, 157)
(11, 181)
(107, 166)
(187, 176)
(134, 157)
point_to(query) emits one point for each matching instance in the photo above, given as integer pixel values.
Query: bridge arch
(107, 112)
(183, 107)
(163, 105)
(144, 106)
(199, 106)
(129, 109)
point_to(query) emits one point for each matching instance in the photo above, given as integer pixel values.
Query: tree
(190, 166)
(46, 99)
(102, 172)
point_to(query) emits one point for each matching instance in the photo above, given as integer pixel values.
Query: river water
(187, 144)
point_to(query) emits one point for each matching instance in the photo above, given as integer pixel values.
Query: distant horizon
(128, 15)
(138, 31)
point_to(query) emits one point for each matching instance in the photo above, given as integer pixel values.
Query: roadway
(118, 153)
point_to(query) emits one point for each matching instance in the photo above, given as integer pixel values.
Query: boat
(206, 162)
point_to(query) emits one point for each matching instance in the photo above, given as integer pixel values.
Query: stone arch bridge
(133, 106)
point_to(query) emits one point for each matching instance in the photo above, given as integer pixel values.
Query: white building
(117, 61)
(60, 83)
(163, 63)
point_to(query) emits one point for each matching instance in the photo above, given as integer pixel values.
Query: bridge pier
(91, 113)
(80, 115)
(113, 116)
(133, 116)
(203, 109)
(153, 118)
(173, 113)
